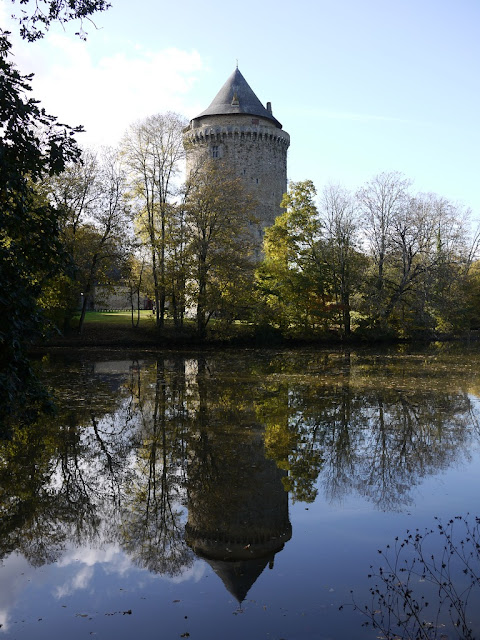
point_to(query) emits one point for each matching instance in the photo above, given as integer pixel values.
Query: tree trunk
(162, 271)
(202, 290)
(86, 297)
(156, 288)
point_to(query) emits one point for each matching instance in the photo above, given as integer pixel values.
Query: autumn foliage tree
(219, 218)
(395, 261)
(152, 151)
(293, 277)
(91, 198)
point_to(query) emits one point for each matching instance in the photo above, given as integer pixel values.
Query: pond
(278, 495)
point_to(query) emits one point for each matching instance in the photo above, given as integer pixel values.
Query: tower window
(215, 151)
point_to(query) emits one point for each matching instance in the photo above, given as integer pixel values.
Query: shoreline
(111, 337)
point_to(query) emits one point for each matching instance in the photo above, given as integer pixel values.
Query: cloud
(90, 556)
(16, 573)
(195, 573)
(79, 581)
(81, 563)
(3, 14)
(106, 93)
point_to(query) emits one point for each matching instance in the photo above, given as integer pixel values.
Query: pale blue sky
(362, 86)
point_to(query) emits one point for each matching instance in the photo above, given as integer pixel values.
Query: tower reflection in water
(237, 507)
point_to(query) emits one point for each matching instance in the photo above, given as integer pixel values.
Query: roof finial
(237, 63)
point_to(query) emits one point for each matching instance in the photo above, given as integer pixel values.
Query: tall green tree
(293, 276)
(32, 145)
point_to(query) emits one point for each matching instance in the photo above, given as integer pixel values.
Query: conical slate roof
(236, 96)
(238, 577)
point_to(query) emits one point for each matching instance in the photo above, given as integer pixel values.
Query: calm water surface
(239, 495)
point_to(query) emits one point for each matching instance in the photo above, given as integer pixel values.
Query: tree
(342, 238)
(152, 150)
(35, 23)
(381, 201)
(74, 193)
(32, 145)
(473, 296)
(420, 252)
(94, 222)
(176, 262)
(135, 268)
(218, 216)
(442, 300)
(293, 276)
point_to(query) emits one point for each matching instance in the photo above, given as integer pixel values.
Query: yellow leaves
(279, 442)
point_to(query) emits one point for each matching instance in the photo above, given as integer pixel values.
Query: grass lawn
(120, 318)
(115, 328)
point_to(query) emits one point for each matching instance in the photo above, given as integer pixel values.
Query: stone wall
(253, 147)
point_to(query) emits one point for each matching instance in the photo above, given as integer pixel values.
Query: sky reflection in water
(155, 502)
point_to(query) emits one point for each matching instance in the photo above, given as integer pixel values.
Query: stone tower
(239, 129)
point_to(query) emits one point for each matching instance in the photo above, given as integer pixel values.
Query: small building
(116, 298)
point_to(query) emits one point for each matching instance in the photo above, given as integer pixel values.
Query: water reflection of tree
(54, 472)
(106, 468)
(44, 500)
(153, 520)
(408, 436)
(377, 442)
(125, 452)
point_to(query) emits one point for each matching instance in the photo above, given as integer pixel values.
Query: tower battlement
(209, 133)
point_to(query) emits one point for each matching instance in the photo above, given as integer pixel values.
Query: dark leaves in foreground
(428, 583)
